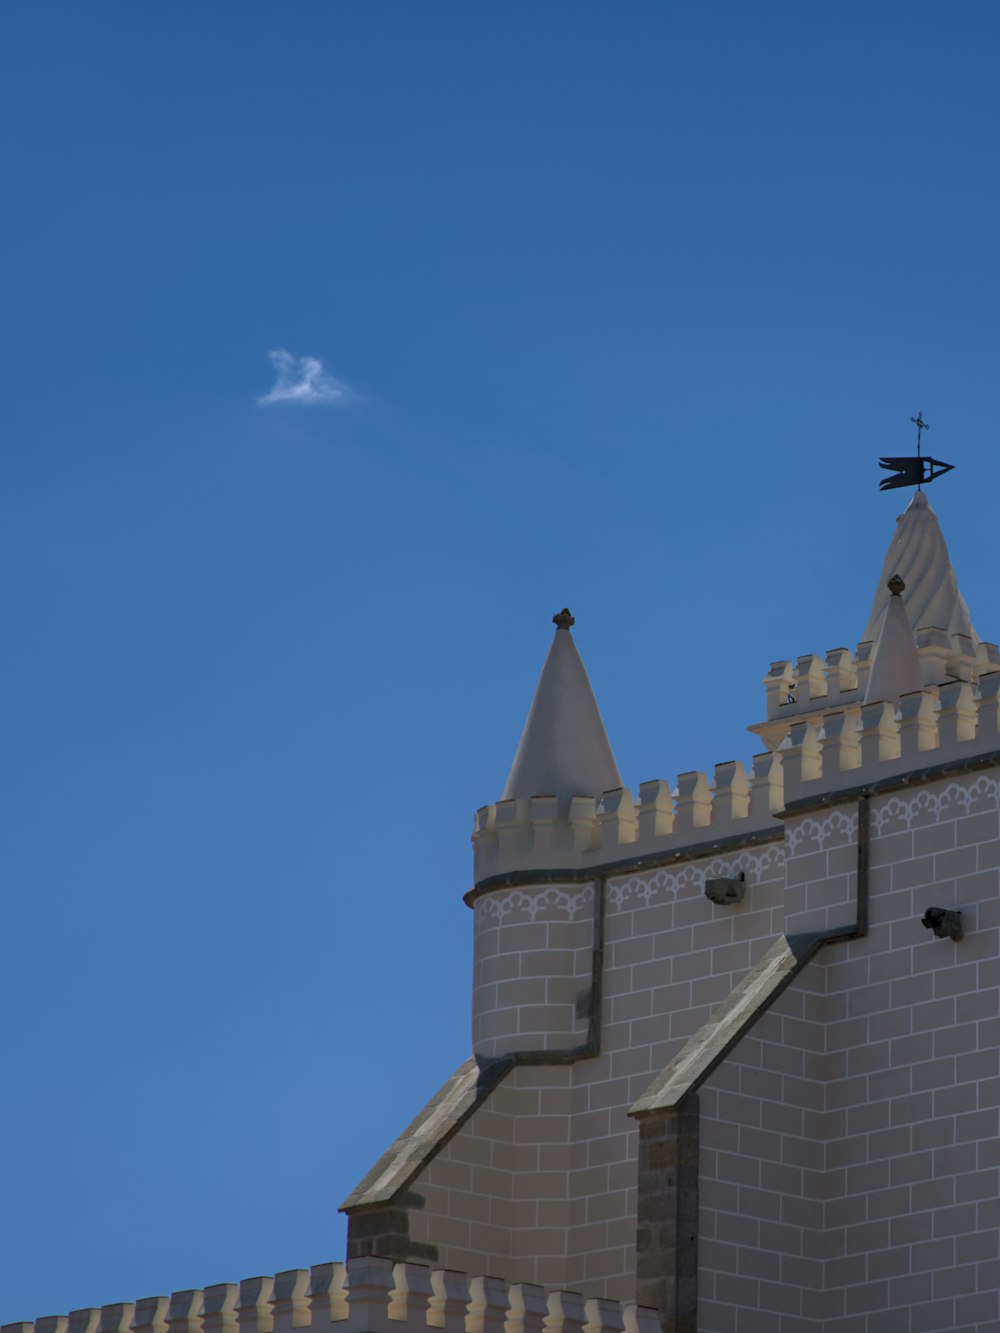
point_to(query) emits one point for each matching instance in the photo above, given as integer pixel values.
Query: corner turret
(935, 617)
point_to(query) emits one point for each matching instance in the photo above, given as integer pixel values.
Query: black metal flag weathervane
(913, 471)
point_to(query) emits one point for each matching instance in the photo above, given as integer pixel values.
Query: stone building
(735, 1040)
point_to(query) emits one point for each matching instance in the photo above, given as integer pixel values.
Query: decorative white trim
(927, 807)
(837, 828)
(557, 904)
(665, 883)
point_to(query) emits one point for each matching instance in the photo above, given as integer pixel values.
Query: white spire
(919, 556)
(896, 666)
(564, 749)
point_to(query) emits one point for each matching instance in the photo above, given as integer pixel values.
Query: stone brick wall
(762, 1174)
(884, 1160)
(670, 956)
(849, 1151)
(821, 884)
(912, 1212)
(532, 968)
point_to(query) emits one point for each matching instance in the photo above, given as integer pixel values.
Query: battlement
(365, 1295)
(814, 684)
(825, 742)
(860, 744)
(546, 832)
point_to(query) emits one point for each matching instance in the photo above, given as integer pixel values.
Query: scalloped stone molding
(836, 829)
(660, 885)
(557, 904)
(927, 807)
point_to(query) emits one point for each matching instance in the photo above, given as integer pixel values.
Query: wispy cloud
(302, 380)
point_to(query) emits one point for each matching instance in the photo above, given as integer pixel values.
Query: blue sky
(611, 306)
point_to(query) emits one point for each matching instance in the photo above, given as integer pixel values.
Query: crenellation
(963, 664)
(767, 784)
(117, 1318)
(51, 1323)
(512, 828)
(802, 758)
(254, 1305)
(840, 744)
(449, 1300)
(879, 733)
(957, 718)
(371, 1282)
(218, 1308)
(484, 836)
(656, 809)
(567, 1312)
(412, 1293)
(730, 792)
(84, 1321)
(584, 829)
(918, 725)
(988, 716)
(618, 822)
(548, 837)
(814, 689)
(603, 1316)
(184, 1311)
(150, 1315)
(327, 1293)
(528, 1308)
(810, 682)
(863, 665)
(934, 649)
(291, 1300)
(640, 1318)
(779, 686)
(694, 802)
(841, 674)
(489, 1301)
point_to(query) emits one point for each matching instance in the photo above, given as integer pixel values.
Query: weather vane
(913, 471)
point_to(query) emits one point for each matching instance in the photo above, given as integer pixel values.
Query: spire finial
(563, 620)
(920, 424)
(896, 585)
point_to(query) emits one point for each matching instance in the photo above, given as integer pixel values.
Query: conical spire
(896, 666)
(564, 749)
(918, 555)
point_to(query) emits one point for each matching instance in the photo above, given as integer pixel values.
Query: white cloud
(301, 379)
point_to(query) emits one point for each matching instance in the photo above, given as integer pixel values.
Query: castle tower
(735, 1041)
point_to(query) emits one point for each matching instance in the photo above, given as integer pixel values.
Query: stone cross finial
(896, 585)
(563, 620)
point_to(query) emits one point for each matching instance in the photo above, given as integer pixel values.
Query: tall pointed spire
(919, 556)
(896, 665)
(564, 749)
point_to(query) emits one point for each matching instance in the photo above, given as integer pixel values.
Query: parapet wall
(864, 744)
(545, 832)
(824, 740)
(816, 684)
(369, 1295)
